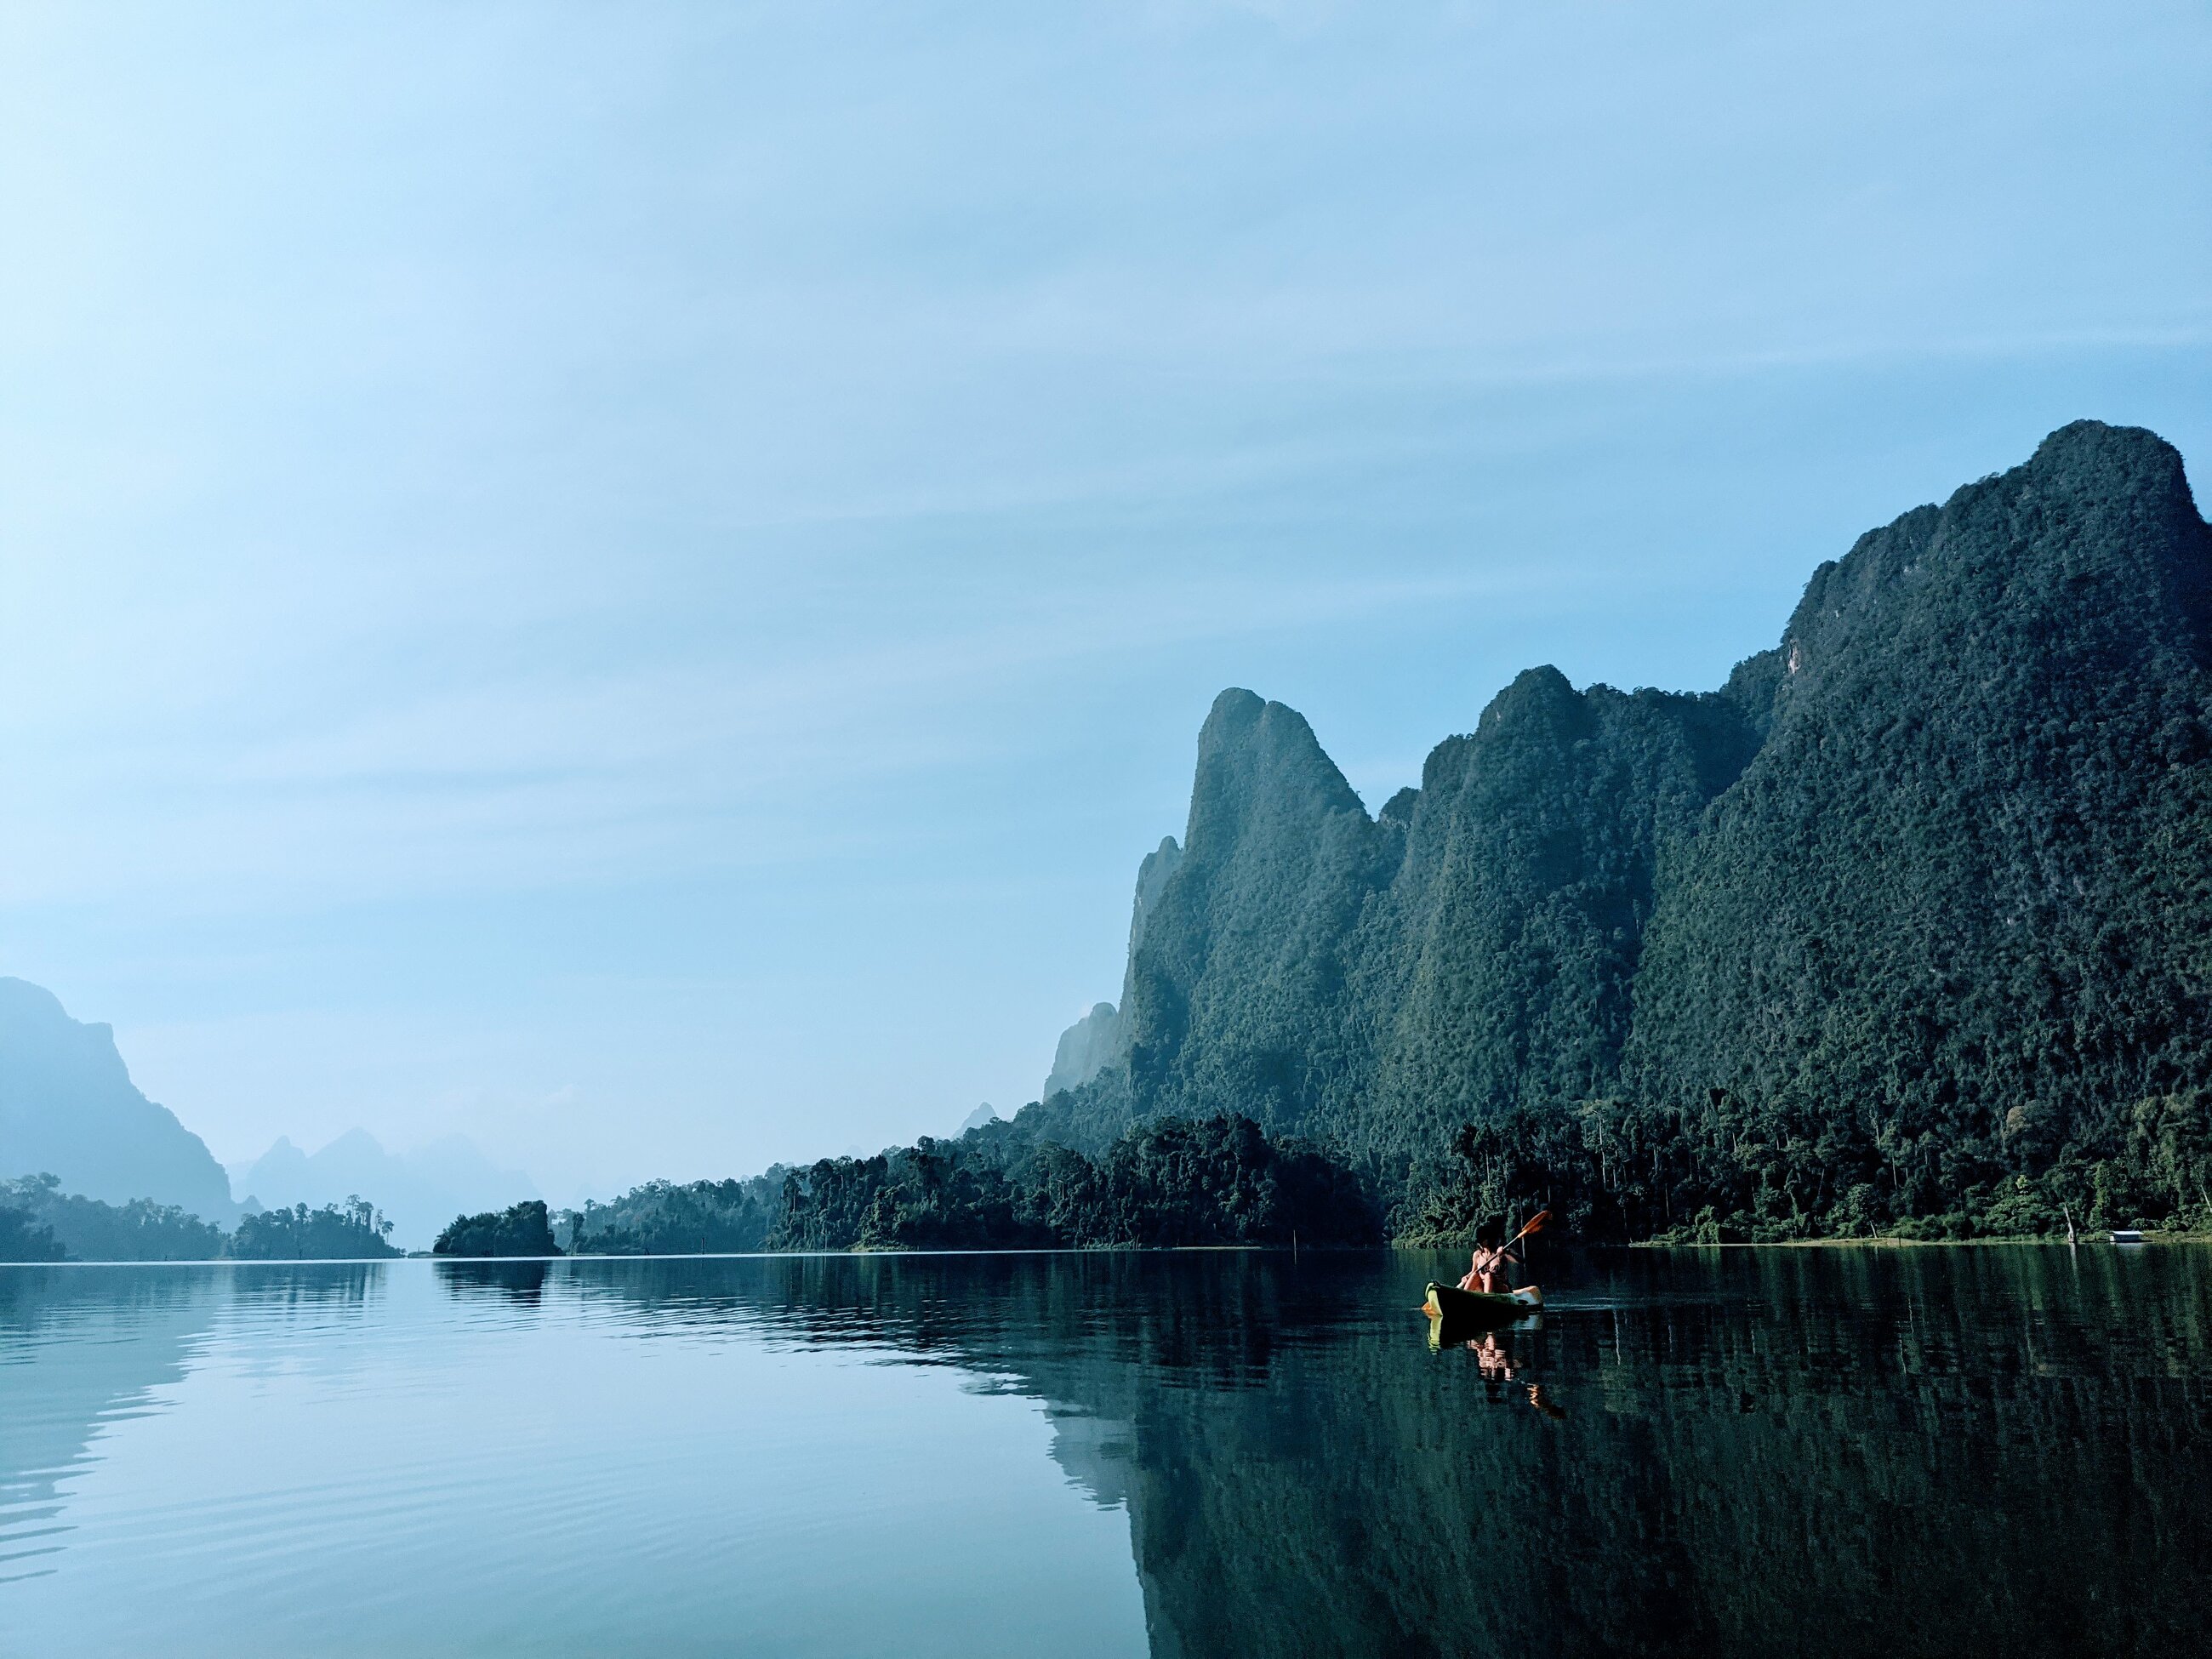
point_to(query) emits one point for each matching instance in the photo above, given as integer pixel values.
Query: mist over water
(1744, 1452)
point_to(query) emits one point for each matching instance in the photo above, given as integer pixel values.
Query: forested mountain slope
(1960, 903)
(1920, 902)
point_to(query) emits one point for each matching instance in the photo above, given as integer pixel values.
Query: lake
(1979, 1449)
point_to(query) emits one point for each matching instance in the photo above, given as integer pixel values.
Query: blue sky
(634, 581)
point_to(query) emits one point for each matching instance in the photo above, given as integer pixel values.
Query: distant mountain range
(68, 1108)
(1918, 903)
(418, 1191)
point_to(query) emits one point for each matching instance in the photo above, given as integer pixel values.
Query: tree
(24, 1237)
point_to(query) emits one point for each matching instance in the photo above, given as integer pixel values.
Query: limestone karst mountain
(1921, 898)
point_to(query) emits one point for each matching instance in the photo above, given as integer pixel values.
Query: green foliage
(519, 1230)
(1166, 1182)
(91, 1231)
(935, 1194)
(1497, 972)
(663, 1219)
(1234, 995)
(336, 1232)
(1728, 1174)
(1222, 1181)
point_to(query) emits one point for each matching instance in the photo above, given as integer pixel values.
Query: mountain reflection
(1815, 1451)
(83, 1347)
(1737, 1453)
(313, 1288)
(521, 1282)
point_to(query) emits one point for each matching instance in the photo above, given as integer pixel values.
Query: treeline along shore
(39, 1222)
(1607, 1173)
(1905, 931)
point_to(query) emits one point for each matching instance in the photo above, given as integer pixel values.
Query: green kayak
(1449, 1302)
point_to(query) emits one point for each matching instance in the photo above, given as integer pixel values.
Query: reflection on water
(522, 1283)
(74, 1353)
(1831, 1451)
(85, 1350)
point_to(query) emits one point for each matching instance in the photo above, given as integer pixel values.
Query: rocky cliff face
(68, 1108)
(1937, 869)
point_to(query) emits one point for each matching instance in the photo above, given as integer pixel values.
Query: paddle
(1535, 1224)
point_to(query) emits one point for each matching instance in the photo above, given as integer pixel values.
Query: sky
(634, 581)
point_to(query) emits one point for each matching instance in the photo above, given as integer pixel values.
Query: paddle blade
(1535, 1224)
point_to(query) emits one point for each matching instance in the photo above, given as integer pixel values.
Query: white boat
(2126, 1236)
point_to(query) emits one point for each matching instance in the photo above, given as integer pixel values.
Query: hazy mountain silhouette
(420, 1191)
(1085, 1049)
(1099, 1039)
(68, 1108)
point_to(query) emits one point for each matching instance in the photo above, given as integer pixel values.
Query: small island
(520, 1229)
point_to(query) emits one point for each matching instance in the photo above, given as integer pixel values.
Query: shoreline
(1879, 1244)
(2106, 1242)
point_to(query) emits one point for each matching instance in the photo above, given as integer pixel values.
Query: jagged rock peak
(32, 1014)
(1151, 876)
(1540, 702)
(2100, 516)
(1399, 809)
(1260, 760)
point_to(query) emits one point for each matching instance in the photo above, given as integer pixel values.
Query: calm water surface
(2004, 1449)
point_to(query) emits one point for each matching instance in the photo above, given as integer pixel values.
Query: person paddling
(1486, 1271)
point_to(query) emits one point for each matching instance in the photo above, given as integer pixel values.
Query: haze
(634, 582)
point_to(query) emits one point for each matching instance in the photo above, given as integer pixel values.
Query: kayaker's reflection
(1495, 1360)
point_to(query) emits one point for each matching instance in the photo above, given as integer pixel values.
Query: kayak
(1481, 1307)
